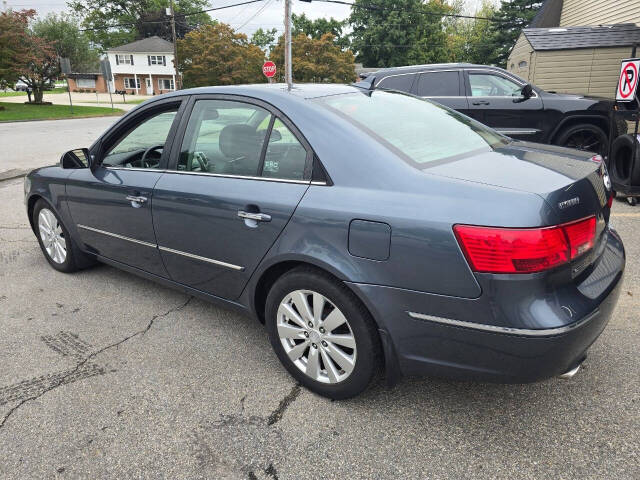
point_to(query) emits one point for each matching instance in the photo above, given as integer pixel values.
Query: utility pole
(287, 44)
(178, 82)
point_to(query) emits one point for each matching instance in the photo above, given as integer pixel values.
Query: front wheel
(322, 333)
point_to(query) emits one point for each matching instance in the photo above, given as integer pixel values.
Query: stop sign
(269, 69)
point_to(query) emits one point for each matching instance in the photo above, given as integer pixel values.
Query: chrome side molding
(115, 235)
(543, 332)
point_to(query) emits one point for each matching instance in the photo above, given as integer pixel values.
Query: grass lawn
(20, 111)
(20, 94)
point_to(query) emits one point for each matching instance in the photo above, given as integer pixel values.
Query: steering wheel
(143, 161)
(201, 158)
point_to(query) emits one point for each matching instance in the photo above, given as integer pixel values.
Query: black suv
(505, 102)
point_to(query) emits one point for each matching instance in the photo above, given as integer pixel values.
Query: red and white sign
(628, 80)
(269, 69)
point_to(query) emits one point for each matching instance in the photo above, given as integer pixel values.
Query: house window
(522, 64)
(124, 59)
(130, 83)
(86, 82)
(157, 60)
(166, 84)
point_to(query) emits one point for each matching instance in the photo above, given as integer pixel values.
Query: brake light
(524, 250)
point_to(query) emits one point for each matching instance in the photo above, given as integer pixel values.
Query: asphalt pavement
(106, 375)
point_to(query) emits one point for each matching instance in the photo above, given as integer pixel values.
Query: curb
(12, 174)
(64, 118)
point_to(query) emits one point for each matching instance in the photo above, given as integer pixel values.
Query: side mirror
(276, 136)
(78, 158)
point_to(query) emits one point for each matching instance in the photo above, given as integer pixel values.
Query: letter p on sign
(628, 80)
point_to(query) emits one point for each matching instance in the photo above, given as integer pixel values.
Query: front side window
(439, 84)
(142, 146)
(402, 83)
(488, 85)
(417, 130)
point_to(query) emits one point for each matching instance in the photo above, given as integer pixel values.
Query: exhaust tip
(570, 373)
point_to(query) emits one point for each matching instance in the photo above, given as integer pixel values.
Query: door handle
(258, 217)
(481, 102)
(136, 201)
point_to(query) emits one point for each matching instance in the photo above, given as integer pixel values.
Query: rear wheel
(322, 333)
(587, 137)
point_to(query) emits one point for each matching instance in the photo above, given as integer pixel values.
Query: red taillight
(524, 250)
(610, 201)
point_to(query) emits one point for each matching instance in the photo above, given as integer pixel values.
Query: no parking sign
(628, 80)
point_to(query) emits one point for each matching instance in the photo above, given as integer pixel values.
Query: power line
(258, 12)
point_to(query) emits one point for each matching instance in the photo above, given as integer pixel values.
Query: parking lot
(106, 375)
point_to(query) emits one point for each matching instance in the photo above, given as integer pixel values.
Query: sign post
(65, 68)
(105, 68)
(269, 69)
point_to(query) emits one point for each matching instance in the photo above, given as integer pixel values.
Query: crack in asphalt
(278, 413)
(93, 355)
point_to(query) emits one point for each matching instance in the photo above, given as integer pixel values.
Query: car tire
(324, 376)
(55, 242)
(620, 165)
(583, 135)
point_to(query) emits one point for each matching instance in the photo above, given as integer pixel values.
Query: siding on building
(522, 52)
(585, 71)
(599, 12)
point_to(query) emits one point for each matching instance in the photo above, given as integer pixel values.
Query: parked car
(506, 103)
(364, 229)
(20, 86)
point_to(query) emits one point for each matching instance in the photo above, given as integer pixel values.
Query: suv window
(439, 84)
(489, 85)
(401, 82)
(129, 150)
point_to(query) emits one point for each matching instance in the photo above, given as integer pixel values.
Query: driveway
(83, 99)
(106, 375)
(28, 145)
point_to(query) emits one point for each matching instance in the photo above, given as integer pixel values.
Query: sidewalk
(84, 99)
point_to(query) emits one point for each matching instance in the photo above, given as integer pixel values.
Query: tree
(399, 32)
(217, 55)
(69, 42)
(13, 51)
(316, 60)
(264, 38)
(473, 40)
(318, 27)
(24, 55)
(132, 20)
(511, 18)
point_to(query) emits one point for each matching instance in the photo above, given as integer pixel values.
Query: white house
(143, 67)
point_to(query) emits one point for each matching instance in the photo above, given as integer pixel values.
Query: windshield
(418, 130)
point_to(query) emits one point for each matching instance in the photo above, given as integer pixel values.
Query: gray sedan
(369, 231)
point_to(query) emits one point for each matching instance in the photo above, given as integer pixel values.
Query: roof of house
(565, 38)
(153, 44)
(548, 15)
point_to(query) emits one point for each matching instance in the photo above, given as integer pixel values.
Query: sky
(246, 19)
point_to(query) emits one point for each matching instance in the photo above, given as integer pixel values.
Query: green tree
(315, 60)
(320, 26)
(511, 18)
(69, 42)
(13, 37)
(399, 32)
(264, 38)
(473, 40)
(136, 19)
(218, 55)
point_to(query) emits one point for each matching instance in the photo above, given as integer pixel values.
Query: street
(106, 375)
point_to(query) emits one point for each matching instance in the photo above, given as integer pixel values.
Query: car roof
(271, 90)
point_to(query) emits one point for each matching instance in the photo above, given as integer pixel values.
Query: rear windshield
(418, 130)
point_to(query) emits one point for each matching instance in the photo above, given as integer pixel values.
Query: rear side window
(439, 84)
(402, 83)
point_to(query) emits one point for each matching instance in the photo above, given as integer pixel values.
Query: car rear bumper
(424, 335)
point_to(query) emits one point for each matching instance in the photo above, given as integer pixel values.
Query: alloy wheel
(52, 236)
(585, 140)
(316, 336)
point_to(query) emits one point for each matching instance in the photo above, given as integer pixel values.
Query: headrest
(240, 141)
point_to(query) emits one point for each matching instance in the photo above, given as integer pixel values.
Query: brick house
(143, 67)
(87, 82)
